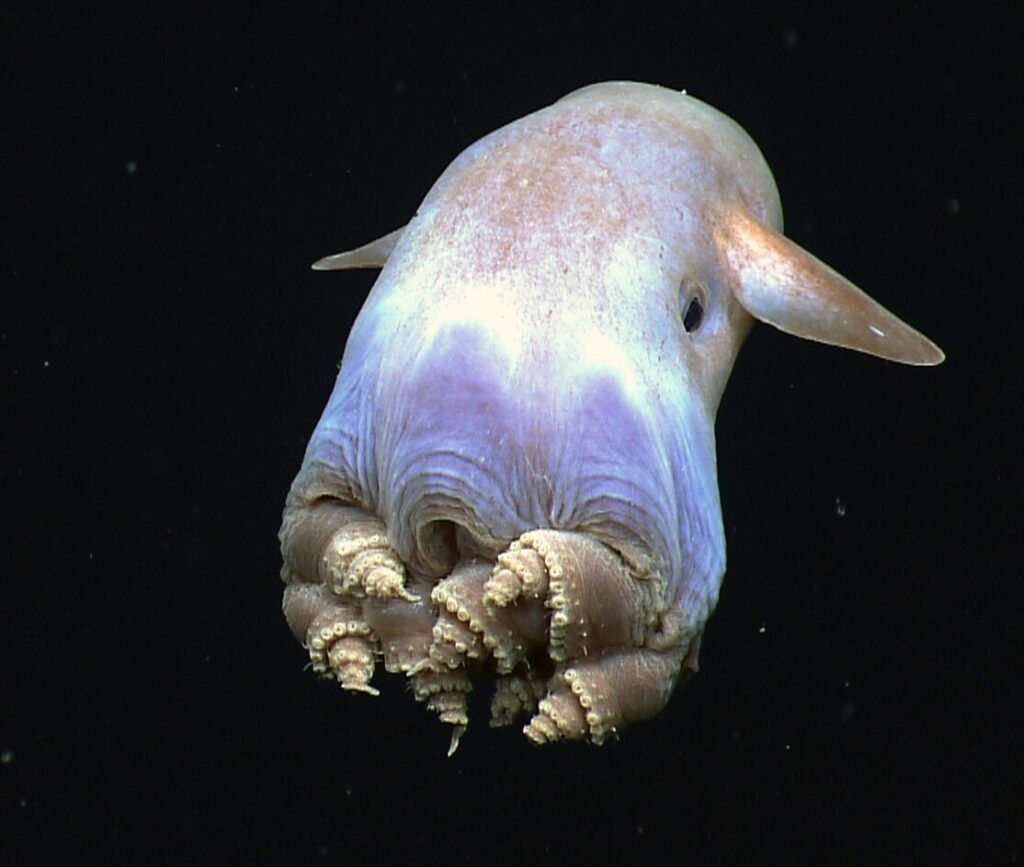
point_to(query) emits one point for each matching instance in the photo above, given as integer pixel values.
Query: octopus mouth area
(576, 640)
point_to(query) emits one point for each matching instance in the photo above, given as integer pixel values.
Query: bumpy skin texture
(514, 477)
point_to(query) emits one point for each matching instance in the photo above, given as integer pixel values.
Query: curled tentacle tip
(457, 733)
(361, 687)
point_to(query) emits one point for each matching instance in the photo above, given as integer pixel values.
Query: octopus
(514, 480)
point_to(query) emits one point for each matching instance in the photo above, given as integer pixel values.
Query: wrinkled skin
(514, 477)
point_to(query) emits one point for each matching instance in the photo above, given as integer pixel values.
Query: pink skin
(515, 474)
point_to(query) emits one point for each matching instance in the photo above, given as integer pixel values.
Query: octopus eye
(693, 312)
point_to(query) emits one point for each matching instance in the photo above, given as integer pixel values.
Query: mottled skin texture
(515, 477)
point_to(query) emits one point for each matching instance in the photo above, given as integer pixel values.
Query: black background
(168, 176)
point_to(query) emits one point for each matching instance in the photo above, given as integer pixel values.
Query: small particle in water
(840, 508)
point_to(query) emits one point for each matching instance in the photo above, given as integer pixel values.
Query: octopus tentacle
(360, 562)
(446, 695)
(601, 616)
(460, 632)
(554, 600)
(346, 598)
(520, 572)
(402, 628)
(340, 642)
(514, 696)
(346, 549)
(595, 697)
(595, 599)
(469, 628)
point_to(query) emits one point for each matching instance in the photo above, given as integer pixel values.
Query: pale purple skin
(522, 363)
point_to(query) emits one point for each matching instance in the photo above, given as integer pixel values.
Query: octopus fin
(778, 282)
(372, 255)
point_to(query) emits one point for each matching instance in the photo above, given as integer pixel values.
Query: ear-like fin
(782, 284)
(372, 255)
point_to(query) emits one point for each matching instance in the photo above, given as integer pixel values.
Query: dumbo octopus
(515, 474)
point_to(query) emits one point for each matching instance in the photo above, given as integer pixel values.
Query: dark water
(169, 177)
